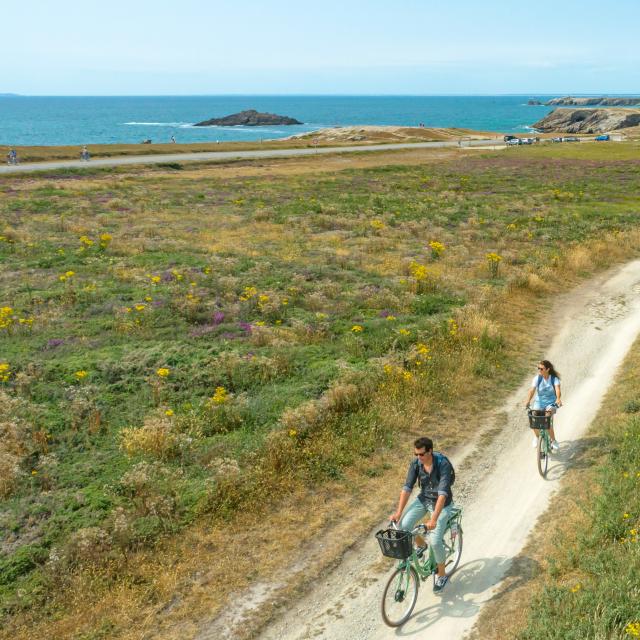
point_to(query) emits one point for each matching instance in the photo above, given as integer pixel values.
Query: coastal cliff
(588, 120)
(592, 102)
(250, 118)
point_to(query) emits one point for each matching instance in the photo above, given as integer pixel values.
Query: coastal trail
(230, 156)
(497, 485)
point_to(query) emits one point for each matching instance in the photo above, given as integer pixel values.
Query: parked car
(571, 139)
(526, 141)
(603, 138)
(514, 141)
(556, 139)
(507, 138)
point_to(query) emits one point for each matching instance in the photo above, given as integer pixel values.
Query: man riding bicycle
(434, 474)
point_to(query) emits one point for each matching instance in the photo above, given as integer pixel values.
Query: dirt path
(499, 487)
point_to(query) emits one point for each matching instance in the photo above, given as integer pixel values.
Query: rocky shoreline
(593, 121)
(569, 101)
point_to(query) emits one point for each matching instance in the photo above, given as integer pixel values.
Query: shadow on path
(466, 592)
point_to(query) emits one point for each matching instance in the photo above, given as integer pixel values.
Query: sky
(407, 47)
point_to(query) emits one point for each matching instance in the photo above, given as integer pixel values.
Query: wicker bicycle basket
(395, 543)
(539, 422)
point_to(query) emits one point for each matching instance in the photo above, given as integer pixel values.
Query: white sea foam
(157, 124)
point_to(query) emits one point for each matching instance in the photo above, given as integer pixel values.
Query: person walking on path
(84, 154)
(434, 474)
(546, 388)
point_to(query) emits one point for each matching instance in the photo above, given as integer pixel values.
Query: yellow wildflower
(163, 372)
(357, 328)
(418, 271)
(168, 412)
(404, 332)
(437, 248)
(220, 396)
(80, 374)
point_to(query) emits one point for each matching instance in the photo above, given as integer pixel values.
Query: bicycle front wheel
(400, 595)
(543, 454)
(453, 547)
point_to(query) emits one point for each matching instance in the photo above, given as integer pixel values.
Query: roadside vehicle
(526, 140)
(513, 142)
(401, 591)
(556, 139)
(603, 138)
(571, 139)
(507, 138)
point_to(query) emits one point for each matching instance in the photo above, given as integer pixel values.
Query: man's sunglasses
(420, 454)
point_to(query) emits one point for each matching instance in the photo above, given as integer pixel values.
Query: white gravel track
(499, 488)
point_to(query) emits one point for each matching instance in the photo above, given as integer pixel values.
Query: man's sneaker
(420, 550)
(534, 442)
(440, 583)
(555, 446)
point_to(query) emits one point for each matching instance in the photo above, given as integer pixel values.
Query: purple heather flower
(218, 317)
(54, 342)
(385, 313)
(246, 326)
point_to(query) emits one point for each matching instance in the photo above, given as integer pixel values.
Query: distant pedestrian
(84, 154)
(173, 139)
(12, 157)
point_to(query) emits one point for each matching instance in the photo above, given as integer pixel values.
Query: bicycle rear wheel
(453, 547)
(542, 452)
(400, 595)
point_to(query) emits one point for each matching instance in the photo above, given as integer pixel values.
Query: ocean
(41, 120)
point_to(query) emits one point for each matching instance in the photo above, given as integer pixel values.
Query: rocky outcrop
(588, 120)
(534, 103)
(250, 118)
(568, 101)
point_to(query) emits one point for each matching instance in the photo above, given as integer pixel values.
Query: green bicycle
(401, 591)
(541, 423)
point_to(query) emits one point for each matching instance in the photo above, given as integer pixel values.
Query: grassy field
(587, 550)
(176, 342)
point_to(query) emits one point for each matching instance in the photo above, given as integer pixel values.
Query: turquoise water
(92, 120)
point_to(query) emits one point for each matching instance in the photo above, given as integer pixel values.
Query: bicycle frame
(426, 565)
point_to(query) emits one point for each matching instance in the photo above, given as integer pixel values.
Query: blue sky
(144, 47)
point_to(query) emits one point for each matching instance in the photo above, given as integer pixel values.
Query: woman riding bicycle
(546, 388)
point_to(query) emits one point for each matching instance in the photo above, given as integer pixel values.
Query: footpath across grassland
(579, 576)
